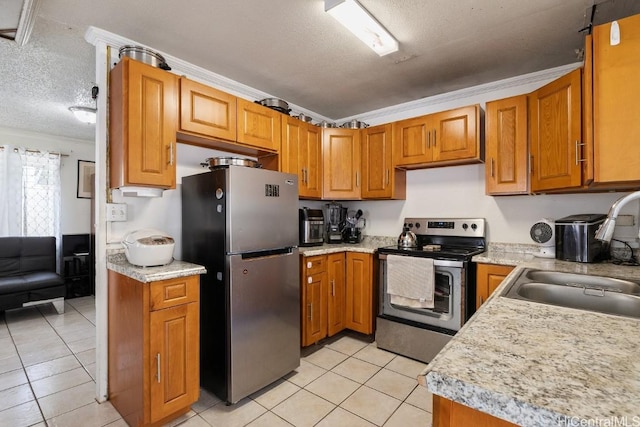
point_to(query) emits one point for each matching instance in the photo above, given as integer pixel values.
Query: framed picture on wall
(86, 171)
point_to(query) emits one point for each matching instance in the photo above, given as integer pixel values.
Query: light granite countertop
(118, 263)
(540, 365)
(368, 245)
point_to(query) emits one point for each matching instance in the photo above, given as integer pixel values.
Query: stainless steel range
(437, 278)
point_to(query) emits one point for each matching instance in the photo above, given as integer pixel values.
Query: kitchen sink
(585, 292)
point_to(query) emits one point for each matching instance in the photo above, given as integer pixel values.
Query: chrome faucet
(605, 231)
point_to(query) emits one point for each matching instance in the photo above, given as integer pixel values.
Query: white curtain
(30, 194)
(11, 194)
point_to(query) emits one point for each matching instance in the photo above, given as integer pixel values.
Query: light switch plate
(116, 211)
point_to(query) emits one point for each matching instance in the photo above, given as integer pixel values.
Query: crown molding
(27, 21)
(525, 79)
(96, 35)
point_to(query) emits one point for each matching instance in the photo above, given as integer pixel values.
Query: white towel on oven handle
(410, 281)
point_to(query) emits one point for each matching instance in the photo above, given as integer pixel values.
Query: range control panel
(463, 227)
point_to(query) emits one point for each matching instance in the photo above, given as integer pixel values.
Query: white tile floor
(47, 370)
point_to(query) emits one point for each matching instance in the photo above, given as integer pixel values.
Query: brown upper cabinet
(301, 154)
(507, 147)
(207, 111)
(616, 106)
(582, 127)
(143, 117)
(555, 124)
(341, 164)
(534, 142)
(380, 179)
(445, 138)
(258, 126)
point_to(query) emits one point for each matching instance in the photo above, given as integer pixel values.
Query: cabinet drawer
(172, 292)
(314, 264)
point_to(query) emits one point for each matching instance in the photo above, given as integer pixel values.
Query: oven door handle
(436, 262)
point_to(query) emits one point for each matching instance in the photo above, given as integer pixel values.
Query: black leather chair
(28, 273)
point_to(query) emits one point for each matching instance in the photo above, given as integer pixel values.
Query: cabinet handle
(158, 367)
(357, 179)
(578, 159)
(306, 175)
(491, 167)
(428, 139)
(333, 288)
(434, 138)
(388, 173)
(531, 164)
(171, 154)
(311, 312)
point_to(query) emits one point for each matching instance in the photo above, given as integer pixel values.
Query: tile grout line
(24, 369)
(380, 368)
(65, 342)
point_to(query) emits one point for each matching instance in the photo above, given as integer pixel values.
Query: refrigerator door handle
(266, 253)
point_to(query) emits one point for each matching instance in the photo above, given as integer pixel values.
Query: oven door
(449, 296)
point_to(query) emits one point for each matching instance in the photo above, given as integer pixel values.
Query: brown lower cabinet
(488, 278)
(447, 413)
(337, 294)
(153, 348)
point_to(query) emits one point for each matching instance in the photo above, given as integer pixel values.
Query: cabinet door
(143, 117)
(410, 142)
(290, 149)
(174, 359)
(258, 126)
(314, 321)
(207, 111)
(359, 299)
(447, 413)
(380, 180)
(454, 134)
(341, 164)
(507, 146)
(336, 292)
(616, 87)
(311, 161)
(301, 154)
(556, 129)
(489, 277)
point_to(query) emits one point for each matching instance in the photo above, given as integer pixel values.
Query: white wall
(75, 214)
(162, 213)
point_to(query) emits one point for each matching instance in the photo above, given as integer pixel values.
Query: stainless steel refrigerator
(241, 223)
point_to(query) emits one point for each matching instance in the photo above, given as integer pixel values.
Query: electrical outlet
(116, 211)
(625, 220)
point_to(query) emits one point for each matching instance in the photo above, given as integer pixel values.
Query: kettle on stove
(407, 239)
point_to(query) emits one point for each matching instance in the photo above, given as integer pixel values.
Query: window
(29, 193)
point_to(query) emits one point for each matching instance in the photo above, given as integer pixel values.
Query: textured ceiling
(292, 50)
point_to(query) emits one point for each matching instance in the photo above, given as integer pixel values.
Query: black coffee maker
(354, 224)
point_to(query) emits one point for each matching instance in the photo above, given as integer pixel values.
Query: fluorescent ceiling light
(356, 19)
(84, 114)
